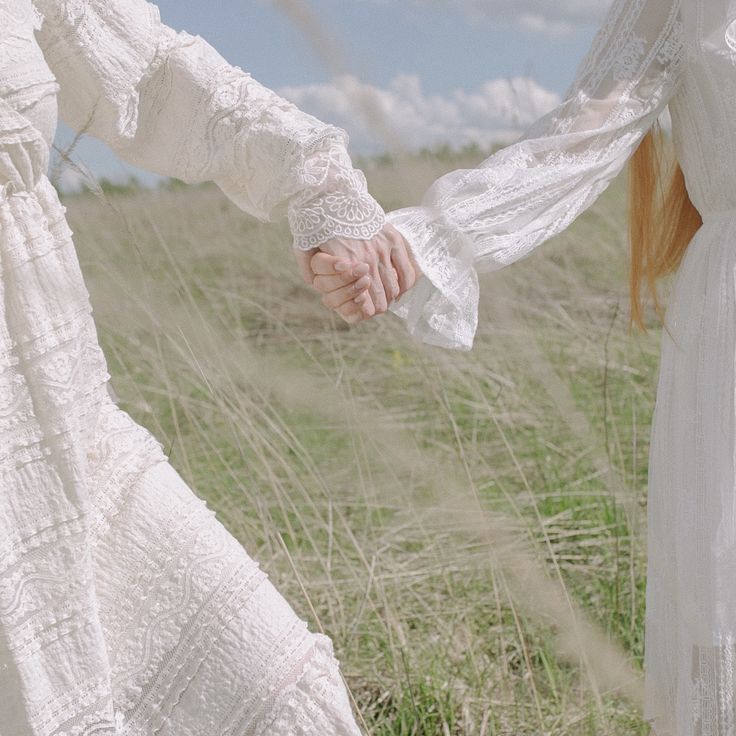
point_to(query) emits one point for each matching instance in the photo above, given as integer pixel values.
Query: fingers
(377, 291)
(404, 269)
(366, 305)
(338, 297)
(335, 272)
(352, 312)
(303, 260)
(402, 262)
(335, 275)
(325, 284)
(329, 265)
(341, 263)
(359, 279)
(389, 277)
(375, 301)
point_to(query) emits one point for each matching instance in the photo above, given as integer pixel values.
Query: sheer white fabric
(485, 218)
(647, 54)
(125, 606)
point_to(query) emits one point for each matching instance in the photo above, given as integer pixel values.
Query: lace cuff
(442, 308)
(334, 201)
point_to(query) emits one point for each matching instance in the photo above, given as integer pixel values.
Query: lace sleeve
(333, 202)
(168, 102)
(485, 218)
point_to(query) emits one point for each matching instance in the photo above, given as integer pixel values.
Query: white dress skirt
(126, 608)
(691, 584)
(143, 614)
(200, 640)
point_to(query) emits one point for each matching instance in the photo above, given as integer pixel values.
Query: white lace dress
(125, 606)
(647, 55)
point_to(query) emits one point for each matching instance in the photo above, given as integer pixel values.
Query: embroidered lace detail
(334, 202)
(670, 54)
(627, 62)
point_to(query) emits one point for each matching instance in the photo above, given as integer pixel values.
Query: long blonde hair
(662, 220)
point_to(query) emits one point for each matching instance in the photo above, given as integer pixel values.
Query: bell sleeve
(482, 219)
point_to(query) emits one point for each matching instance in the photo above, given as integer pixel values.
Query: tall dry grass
(468, 528)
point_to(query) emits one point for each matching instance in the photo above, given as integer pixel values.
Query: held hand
(391, 268)
(387, 256)
(355, 276)
(346, 291)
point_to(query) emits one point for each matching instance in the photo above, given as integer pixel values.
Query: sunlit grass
(445, 512)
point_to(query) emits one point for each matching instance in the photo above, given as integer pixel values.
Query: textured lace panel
(24, 154)
(488, 217)
(709, 694)
(54, 673)
(703, 123)
(713, 683)
(21, 61)
(53, 369)
(334, 202)
(312, 700)
(170, 103)
(199, 639)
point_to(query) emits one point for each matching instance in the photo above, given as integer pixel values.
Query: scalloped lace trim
(334, 202)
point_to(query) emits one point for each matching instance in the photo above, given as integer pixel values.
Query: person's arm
(168, 102)
(485, 218)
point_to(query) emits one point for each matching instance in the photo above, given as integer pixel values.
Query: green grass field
(445, 517)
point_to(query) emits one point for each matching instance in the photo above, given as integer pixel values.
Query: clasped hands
(359, 279)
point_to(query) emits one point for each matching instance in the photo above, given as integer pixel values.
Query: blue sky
(436, 48)
(437, 40)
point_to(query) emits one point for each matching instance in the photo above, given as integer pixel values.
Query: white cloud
(537, 24)
(497, 112)
(556, 19)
